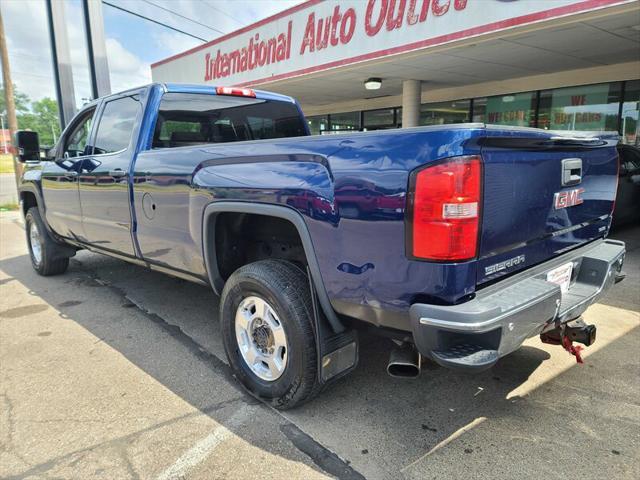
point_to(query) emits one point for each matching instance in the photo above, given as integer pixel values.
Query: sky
(133, 43)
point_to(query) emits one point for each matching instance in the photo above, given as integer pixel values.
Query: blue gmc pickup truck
(457, 242)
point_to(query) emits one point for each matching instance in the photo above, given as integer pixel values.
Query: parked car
(458, 242)
(627, 209)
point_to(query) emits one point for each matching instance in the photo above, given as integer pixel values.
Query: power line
(153, 21)
(208, 4)
(182, 16)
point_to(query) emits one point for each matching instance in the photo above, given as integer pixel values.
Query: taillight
(444, 210)
(238, 92)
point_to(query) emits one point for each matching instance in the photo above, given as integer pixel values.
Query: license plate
(561, 276)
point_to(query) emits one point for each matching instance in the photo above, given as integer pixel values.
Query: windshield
(195, 119)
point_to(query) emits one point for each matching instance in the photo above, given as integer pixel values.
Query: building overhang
(445, 43)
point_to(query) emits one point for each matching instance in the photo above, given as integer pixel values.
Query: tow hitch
(567, 333)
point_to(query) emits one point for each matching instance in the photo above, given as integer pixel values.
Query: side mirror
(28, 145)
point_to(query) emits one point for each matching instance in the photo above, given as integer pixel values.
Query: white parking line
(206, 446)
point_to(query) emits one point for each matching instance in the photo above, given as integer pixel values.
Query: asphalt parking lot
(112, 371)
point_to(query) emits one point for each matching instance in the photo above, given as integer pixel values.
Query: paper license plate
(561, 276)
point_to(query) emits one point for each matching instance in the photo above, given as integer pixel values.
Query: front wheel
(266, 322)
(44, 253)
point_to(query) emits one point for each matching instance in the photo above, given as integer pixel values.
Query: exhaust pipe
(404, 361)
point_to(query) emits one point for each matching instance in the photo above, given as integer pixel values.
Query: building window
(516, 109)
(379, 119)
(444, 112)
(345, 122)
(630, 124)
(318, 125)
(590, 107)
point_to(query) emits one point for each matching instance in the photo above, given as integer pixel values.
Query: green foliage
(40, 116)
(43, 119)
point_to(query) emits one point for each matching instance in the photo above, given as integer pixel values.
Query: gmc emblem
(568, 198)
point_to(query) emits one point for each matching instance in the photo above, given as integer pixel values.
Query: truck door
(104, 179)
(60, 177)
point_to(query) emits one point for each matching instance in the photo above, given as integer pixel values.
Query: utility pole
(8, 94)
(4, 138)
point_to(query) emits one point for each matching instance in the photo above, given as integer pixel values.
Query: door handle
(71, 175)
(571, 171)
(117, 173)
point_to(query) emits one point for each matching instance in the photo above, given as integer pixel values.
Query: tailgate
(544, 194)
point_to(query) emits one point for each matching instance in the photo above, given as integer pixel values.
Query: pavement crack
(124, 454)
(325, 459)
(215, 363)
(320, 455)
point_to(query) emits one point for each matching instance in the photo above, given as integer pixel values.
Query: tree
(43, 119)
(40, 116)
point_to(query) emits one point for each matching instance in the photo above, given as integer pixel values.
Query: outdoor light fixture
(373, 83)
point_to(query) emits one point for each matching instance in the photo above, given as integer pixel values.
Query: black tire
(285, 287)
(51, 261)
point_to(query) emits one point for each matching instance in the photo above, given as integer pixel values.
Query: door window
(116, 125)
(75, 144)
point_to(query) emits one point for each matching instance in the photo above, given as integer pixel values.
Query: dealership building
(372, 64)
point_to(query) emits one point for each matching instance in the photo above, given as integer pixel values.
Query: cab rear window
(186, 119)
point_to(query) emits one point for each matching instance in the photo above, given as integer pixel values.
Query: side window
(169, 127)
(186, 119)
(75, 143)
(116, 125)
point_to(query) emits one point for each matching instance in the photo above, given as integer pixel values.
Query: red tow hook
(565, 334)
(574, 350)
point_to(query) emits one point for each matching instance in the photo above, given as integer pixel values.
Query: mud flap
(337, 352)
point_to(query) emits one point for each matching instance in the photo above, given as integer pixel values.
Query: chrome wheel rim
(35, 242)
(261, 338)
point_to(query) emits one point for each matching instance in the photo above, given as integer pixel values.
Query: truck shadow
(408, 418)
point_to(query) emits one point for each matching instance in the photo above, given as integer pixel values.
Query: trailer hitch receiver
(574, 331)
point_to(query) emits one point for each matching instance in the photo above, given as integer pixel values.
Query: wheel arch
(286, 213)
(29, 196)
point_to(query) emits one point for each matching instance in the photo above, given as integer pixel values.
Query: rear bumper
(475, 334)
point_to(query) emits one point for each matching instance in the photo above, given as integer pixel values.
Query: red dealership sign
(319, 35)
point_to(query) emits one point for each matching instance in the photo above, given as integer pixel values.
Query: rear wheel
(266, 322)
(44, 252)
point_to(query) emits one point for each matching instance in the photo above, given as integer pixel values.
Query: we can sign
(319, 35)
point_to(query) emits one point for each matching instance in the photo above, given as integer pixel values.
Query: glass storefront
(590, 107)
(517, 109)
(379, 119)
(445, 112)
(319, 124)
(79, 55)
(345, 122)
(29, 47)
(629, 122)
(611, 106)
